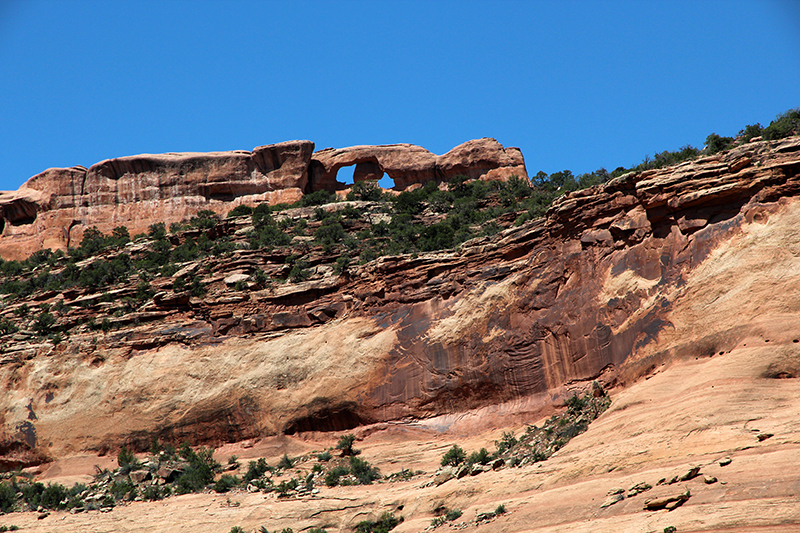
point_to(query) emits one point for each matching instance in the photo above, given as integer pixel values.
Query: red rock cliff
(52, 209)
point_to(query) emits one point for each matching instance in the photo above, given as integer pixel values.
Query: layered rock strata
(595, 291)
(54, 208)
(408, 164)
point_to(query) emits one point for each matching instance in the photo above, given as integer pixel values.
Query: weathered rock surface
(613, 284)
(54, 208)
(408, 164)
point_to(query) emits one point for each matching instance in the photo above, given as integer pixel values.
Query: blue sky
(575, 85)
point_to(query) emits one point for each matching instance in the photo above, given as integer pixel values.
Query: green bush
(200, 471)
(8, 497)
(154, 492)
(750, 131)
(7, 327)
(286, 462)
(226, 483)
(363, 471)
(126, 458)
(157, 231)
(256, 469)
(368, 191)
(342, 265)
(452, 514)
(480, 457)
(454, 456)
(321, 197)
(333, 475)
(299, 271)
(345, 444)
(784, 125)
(716, 143)
(205, 219)
(384, 524)
(507, 442)
(329, 233)
(324, 456)
(240, 211)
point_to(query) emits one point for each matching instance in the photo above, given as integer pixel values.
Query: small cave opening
(2, 225)
(326, 419)
(23, 221)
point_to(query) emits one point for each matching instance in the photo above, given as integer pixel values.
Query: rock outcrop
(52, 209)
(595, 291)
(408, 164)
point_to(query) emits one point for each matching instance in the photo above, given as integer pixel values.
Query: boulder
(667, 502)
(140, 476)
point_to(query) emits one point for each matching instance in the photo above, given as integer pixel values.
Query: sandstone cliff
(52, 209)
(596, 290)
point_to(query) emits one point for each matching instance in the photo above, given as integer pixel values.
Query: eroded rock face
(682, 262)
(408, 164)
(52, 209)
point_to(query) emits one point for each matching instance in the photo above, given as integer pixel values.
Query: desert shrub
(226, 483)
(200, 471)
(286, 462)
(445, 515)
(204, 219)
(480, 457)
(8, 497)
(154, 492)
(126, 459)
(122, 488)
(320, 197)
(261, 216)
(384, 524)
(240, 211)
(324, 456)
(500, 509)
(267, 235)
(367, 190)
(453, 514)
(157, 230)
(750, 131)
(507, 442)
(342, 265)
(454, 456)
(333, 475)
(43, 323)
(256, 469)
(237, 529)
(350, 213)
(329, 233)
(7, 327)
(299, 271)
(576, 404)
(363, 471)
(716, 143)
(784, 125)
(440, 236)
(284, 487)
(345, 444)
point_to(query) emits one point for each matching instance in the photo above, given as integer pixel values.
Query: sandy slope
(692, 413)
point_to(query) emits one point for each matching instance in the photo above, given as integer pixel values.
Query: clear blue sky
(575, 85)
